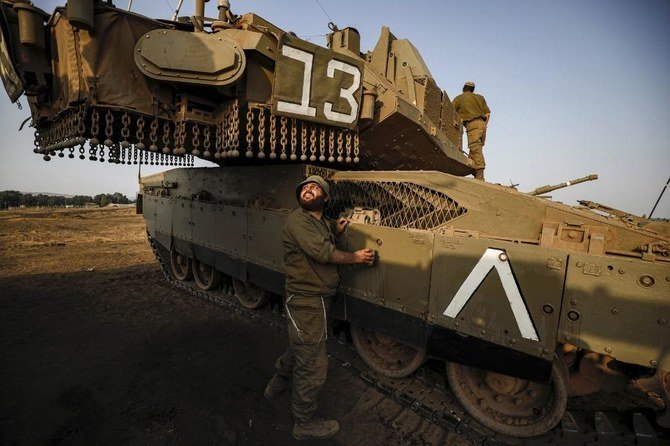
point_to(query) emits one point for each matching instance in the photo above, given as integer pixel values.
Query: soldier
(475, 114)
(312, 278)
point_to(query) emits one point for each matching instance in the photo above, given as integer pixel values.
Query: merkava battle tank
(527, 300)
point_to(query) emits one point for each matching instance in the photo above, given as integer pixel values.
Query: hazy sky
(575, 87)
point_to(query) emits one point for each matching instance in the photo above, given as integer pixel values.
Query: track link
(426, 394)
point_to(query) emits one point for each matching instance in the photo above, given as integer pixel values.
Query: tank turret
(104, 82)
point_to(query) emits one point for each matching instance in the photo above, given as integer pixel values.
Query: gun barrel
(548, 188)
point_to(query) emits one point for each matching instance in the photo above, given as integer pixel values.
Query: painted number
(303, 108)
(347, 93)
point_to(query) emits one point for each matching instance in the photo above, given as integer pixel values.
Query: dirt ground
(96, 348)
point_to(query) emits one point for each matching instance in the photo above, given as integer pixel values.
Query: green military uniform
(310, 284)
(472, 109)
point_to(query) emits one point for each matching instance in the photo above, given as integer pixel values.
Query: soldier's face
(312, 197)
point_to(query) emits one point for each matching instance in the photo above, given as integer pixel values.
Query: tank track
(426, 394)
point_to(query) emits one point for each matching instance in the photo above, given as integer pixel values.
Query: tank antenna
(659, 197)
(130, 4)
(176, 11)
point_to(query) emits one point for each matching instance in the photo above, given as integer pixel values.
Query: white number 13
(347, 94)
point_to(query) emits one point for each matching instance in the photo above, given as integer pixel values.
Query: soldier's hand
(340, 225)
(365, 256)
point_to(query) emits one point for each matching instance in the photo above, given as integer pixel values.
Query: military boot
(277, 385)
(479, 174)
(315, 429)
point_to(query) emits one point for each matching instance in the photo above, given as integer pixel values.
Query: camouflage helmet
(469, 84)
(313, 179)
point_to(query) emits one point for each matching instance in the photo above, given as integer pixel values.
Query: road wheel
(249, 295)
(206, 277)
(385, 355)
(508, 405)
(181, 266)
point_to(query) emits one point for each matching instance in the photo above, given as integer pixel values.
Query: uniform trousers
(476, 130)
(305, 361)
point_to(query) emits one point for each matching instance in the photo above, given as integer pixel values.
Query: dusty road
(96, 348)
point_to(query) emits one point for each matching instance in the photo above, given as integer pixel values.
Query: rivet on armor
(662, 321)
(547, 309)
(646, 281)
(615, 311)
(579, 264)
(621, 271)
(502, 257)
(608, 349)
(573, 315)
(573, 301)
(653, 363)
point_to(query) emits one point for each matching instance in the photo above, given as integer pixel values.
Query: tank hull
(500, 302)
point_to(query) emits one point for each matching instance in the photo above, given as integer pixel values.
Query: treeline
(12, 198)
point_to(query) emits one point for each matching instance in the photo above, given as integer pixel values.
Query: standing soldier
(312, 278)
(475, 114)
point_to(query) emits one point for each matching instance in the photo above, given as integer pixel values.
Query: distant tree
(10, 198)
(104, 200)
(55, 200)
(119, 198)
(28, 200)
(79, 200)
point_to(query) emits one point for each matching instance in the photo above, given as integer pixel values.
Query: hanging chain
(340, 149)
(109, 121)
(166, 138)
(283, 141)
(357, 148)
(312, 143)
(273, 136)
(261, 133)
(139, 134)
(179, 138)
(348, 152)
(125, 130)
(236, 130)
(294, 139)
(207, 143)
(153, 135)
(196, 139)
(219, 140)
(303, 141)
(250, 132)
(331, 145)
(322, 144)
(81, 129)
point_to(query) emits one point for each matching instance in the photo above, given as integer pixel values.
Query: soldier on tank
(312, 278)
(475, 114)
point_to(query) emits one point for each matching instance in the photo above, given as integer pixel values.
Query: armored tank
(526, 300)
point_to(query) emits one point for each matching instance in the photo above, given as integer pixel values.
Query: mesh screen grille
(402, 205)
